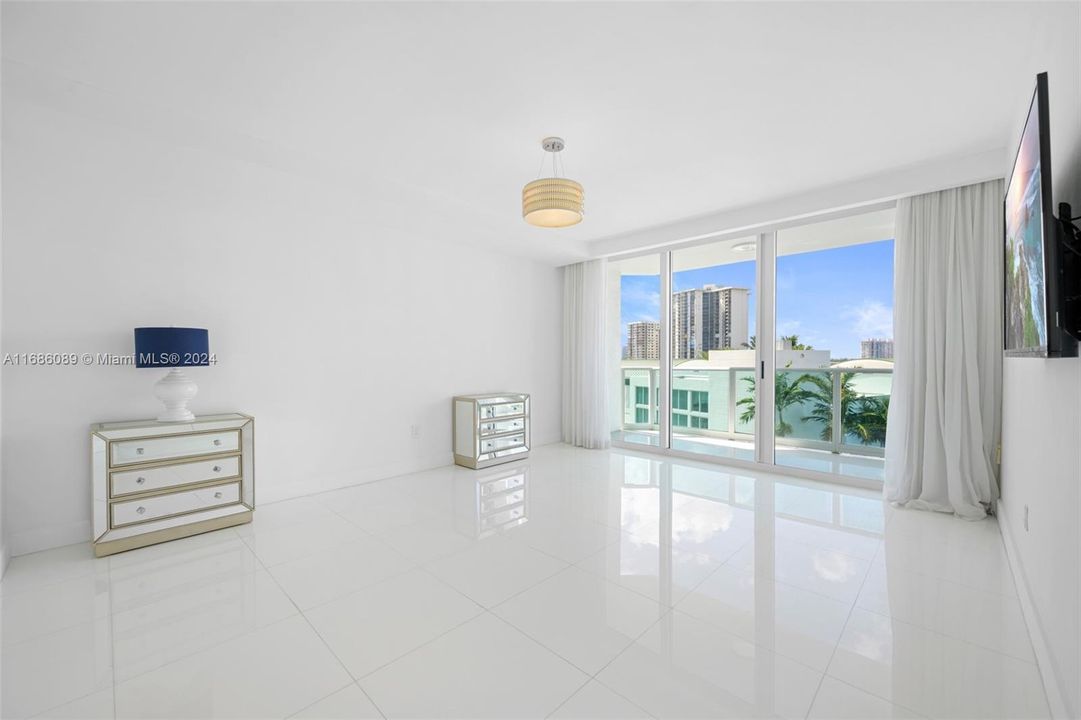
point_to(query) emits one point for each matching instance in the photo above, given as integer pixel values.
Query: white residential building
(643, 340)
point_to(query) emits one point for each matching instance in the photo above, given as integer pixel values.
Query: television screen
(1031, 326)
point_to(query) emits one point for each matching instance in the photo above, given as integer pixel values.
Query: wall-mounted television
(1034, 321)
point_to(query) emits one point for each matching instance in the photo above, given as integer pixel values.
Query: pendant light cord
(557, 169)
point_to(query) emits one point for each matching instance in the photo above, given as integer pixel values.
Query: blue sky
(832, 298)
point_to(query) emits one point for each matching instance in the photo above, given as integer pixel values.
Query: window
(712, 296)
(833, 346)
(699, 401)
(825, 296)
(633, 347)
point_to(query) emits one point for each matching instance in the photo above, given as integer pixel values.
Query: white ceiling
(669, 110)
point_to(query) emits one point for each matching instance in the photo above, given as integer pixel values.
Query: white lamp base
(175, 390)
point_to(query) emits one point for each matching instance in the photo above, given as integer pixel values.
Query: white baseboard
(51, 536)
(1056, 698)
(346, 478)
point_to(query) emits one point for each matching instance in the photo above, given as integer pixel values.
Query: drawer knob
(217, 468)
(217, 441)
(140, 509)
(140, 480)
(139, 451)
(217, 495)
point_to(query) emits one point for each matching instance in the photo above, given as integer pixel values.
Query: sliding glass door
(712, 349)
(634, 321)
(834, 345)
(695, 331)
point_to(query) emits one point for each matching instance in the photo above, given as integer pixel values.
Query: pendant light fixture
(553, 202)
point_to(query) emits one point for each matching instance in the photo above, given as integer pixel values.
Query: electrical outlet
(414, 432)
(1026, 518)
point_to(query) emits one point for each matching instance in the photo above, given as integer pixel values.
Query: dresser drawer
(502, 410)
(497, 427)
(167, 476)
(178, 503)
(129, 452)
(502, 443)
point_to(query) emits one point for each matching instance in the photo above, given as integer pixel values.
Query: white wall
(1041, 453)
(334, 327)
(5, 549)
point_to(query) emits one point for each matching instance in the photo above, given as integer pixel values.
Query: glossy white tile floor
(630, 587)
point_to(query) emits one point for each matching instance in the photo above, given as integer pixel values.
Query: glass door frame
(664, 355)
(765, 359)
(765, 263)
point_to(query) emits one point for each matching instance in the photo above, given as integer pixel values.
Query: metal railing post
(626, 388)
(655, 398)
(838, 429)
(731, 401)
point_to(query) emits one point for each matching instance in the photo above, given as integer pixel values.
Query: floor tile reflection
(573, 584)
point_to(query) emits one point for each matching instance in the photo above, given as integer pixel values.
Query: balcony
(831, 420)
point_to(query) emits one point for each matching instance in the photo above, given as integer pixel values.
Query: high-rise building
(876, 349)
(643, 341)
(709, 318)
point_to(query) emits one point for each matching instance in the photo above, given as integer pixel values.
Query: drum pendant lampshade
(553, 202)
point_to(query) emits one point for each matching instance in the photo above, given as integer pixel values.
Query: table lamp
(173, 347)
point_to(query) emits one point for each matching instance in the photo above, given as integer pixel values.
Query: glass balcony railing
(841, 410)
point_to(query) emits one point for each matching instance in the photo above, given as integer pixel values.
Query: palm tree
(794, 343)
(868, 422)
(863, 416)
(750, 344)
(787, 392)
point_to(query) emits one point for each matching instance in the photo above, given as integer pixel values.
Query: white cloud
(872, 319)
(644, 304)
(788, 327)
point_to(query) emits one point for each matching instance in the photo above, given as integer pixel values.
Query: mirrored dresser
(490, 429)
(156, 481)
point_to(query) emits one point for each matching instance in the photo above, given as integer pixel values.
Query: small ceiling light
(744, 247)
(555, 201)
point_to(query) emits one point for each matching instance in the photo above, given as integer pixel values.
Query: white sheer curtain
(585, 388)
(945, 409)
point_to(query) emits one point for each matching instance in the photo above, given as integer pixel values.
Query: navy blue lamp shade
(171, 347)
